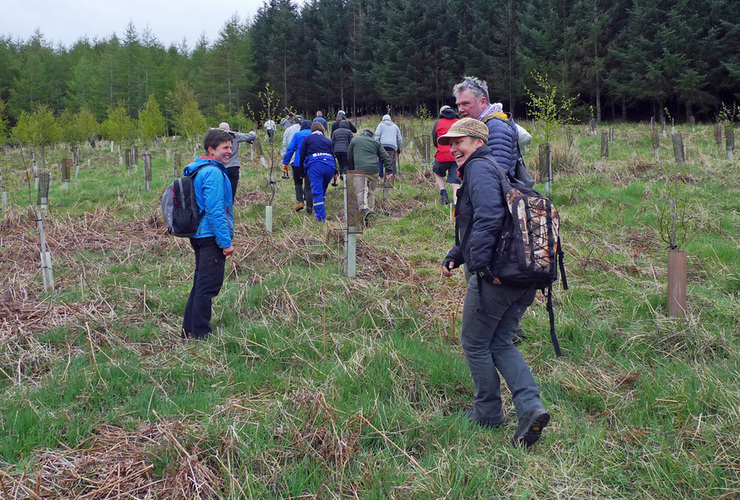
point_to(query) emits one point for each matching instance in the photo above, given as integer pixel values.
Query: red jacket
(441, 128)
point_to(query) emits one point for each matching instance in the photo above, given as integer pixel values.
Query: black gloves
(450, 264)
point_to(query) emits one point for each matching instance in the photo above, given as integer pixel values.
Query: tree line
(620, 58)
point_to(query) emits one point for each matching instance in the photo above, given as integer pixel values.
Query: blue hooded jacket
(295, 144)
(213, 194)
(502, 138)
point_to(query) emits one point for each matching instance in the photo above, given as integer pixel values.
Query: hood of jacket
(344, 124)
(202, 162)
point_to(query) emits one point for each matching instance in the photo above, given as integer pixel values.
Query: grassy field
(319, 386)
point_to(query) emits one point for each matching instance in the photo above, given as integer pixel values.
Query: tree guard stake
(42, 201)
(354, 199)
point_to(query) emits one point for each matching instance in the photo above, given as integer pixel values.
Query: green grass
(317, 385)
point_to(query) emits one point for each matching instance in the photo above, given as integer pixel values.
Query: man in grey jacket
(232, 166)
(389, 135)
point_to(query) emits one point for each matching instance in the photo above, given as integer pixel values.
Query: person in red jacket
(444, 164)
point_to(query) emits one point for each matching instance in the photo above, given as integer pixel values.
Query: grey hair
(478, 87)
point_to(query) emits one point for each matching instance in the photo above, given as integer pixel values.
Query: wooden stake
(656, 142)
(604, 146)
(718, 134)
(178, 165)
(678, 147)
(546, 167)
(730, 135)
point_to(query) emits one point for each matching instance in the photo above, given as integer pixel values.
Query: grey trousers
(490, 320)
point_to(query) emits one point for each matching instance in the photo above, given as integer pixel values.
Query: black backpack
(180, 209)
(529, 253)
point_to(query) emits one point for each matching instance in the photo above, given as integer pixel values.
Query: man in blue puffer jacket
(471, 97)
(212, 243)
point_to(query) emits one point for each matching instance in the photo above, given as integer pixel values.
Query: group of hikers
(315, 160)
(473, 152)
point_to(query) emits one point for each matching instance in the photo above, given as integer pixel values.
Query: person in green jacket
(366, 154)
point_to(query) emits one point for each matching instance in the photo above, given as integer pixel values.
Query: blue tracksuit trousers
(320, 170)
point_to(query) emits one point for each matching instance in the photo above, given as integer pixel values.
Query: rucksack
(528, 252)
(180, 209)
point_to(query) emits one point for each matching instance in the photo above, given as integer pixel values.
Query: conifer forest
(620, 59)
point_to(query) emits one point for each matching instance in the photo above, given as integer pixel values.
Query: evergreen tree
(232, 63)
(132, 57)
(187, 119)
(3, 122)
(86, 125)
(118, 126)
(596, 23)
(32, 84)
(151, 121)
(277, 51)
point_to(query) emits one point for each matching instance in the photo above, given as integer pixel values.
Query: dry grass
(117, 464)
(23, 308)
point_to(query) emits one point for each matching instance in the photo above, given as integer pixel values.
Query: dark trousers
(491, 316)
(210, 263)
(302, 187)
(233, 174)
(342, 161)
(394, 155)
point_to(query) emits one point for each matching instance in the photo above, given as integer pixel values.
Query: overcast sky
(67, 21)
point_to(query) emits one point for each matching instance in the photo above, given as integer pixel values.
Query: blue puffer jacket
(480, 199)
(502, 137)
(295, 144)
(213, 194)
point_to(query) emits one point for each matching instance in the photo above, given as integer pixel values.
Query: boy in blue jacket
(212, 243)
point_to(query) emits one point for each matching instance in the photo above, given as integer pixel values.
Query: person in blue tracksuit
(300, 179)
(317, 157)
(212, 243)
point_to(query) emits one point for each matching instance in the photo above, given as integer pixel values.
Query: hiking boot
(298, 207)
(470, 416)
(444, 199)
(309, 211)
(530, 427)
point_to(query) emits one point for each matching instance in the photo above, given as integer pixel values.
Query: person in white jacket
(389, 135)
(270, 127)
